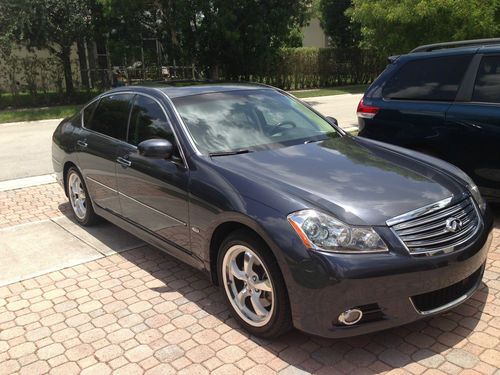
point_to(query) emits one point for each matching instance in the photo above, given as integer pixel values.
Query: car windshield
(249, 120)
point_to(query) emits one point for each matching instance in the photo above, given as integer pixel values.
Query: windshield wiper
(224, 153)
(312, 141)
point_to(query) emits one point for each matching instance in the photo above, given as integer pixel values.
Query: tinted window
(87, 113)
(431, 79)
(111, 116)
(148, 122)
(487, 87)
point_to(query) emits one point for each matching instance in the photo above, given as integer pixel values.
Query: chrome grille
(441, 229)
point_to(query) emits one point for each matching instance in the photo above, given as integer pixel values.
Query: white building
(314, 36)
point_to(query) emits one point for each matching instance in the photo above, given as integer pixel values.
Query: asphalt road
(25, 148)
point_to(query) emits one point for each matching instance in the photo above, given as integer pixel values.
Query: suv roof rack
(461, 43)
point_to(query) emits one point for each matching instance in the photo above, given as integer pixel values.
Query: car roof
(181, 89)
(451, 51)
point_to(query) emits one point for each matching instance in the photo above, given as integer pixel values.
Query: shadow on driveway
(440, 342)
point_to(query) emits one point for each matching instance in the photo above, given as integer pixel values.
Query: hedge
(306, 68)
(31, 82)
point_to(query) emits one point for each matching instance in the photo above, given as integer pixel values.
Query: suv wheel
(253, 285)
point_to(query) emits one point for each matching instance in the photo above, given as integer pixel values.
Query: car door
(153, 191)
(104, 127)
(479, 118)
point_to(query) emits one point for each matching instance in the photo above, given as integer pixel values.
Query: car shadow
(496, 213)
(422, 343)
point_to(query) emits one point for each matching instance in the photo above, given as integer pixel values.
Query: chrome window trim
(152, 209)
(419, 211)
(85, 107)
(130, 92)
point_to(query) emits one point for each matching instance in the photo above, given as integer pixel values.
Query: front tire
(79, 198)
(253, 285)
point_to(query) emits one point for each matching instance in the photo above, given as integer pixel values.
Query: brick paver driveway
(142, 311)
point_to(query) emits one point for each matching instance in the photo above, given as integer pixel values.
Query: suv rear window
(435, 79)
(487, 86)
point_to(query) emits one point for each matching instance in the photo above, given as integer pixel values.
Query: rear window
(111, 116)
(87, 113)
(436, 79)
(487, 86)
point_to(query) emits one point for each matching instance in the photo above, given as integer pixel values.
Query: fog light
(350, 317)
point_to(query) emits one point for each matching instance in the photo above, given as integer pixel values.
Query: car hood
(358, 181)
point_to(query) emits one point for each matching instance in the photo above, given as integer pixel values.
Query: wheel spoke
(257, 305)
(235, 271)
(241, 296)
(248, 263)
(75, 185)
(264, 285)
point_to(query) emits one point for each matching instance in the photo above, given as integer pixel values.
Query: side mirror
(156, 148)
(332, 120)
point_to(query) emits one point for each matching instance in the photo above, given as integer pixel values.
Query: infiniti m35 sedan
(300, 224)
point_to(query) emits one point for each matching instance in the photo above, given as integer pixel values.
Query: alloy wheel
(77, 196)
(248, 285)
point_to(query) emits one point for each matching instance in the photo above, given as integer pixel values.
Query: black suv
(443, 100)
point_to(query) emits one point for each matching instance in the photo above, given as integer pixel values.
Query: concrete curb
(21, 123)
(27, 182)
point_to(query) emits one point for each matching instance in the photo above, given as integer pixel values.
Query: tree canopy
(52, 24)
(228, 35)
(398, 26)
(342, 31)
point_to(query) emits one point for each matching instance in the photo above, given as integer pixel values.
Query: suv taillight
(366, 111)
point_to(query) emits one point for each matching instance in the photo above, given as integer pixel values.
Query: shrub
(306, 67)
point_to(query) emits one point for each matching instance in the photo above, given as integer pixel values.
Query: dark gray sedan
(298, 222)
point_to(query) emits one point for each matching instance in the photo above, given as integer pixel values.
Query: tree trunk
(214, 72)
(66, 61)
(82, 59)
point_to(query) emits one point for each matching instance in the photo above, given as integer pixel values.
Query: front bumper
(325, 285)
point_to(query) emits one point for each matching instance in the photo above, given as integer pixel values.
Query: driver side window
(148, 122)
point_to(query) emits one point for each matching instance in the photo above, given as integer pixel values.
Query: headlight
(319, 231)
(474, 191)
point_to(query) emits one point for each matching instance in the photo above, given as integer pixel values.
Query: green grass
(354, 89)
(34, 114)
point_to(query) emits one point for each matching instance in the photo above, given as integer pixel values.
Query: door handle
(124, 162)
(82, 144)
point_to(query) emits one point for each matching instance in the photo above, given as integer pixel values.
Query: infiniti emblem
(453, 224)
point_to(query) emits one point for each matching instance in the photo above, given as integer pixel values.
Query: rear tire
(79, 198)
(253, 286)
